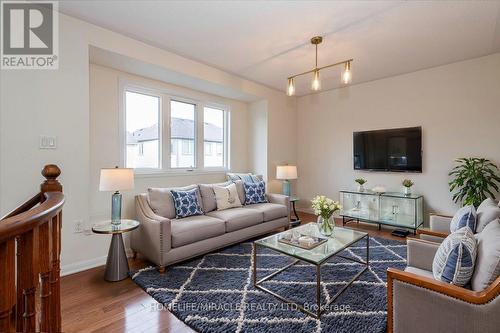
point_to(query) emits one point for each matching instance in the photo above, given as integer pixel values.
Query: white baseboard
(86, 264)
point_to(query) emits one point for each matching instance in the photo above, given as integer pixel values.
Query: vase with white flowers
(324, 208)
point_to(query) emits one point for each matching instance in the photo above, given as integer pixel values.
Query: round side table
(294, 221)
(116, 264)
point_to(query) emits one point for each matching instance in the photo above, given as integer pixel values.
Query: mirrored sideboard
(389, 208)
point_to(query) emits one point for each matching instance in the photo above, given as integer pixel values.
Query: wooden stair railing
(30, 249)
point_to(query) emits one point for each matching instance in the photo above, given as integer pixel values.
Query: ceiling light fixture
(316, 81)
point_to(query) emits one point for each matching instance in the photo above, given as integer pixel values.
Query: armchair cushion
(487, 211)
(421, 253)
(455, 257)
(465, 216)
(488, 257)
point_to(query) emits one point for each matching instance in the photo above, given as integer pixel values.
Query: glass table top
(106, 227)
(338, 241)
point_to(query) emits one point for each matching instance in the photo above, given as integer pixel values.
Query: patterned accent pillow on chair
(465, 216)
(455, 258)
(186, 203)
(255, 193)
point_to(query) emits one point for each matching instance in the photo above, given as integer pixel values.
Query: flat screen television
(398, 150)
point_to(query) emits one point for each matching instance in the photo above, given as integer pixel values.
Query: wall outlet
(79, 227)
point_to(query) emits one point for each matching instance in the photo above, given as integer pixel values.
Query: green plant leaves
(474, 179)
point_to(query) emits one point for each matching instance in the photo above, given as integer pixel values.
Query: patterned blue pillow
(255, 193)
(455, 258)
(186, 203)
(465, 216)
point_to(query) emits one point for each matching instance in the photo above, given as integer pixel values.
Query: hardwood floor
(90, 304)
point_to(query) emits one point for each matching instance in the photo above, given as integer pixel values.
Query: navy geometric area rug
(215, 292)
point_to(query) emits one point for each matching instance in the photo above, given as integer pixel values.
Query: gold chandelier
(346, 75)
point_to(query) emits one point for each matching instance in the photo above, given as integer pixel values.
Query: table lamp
(285, 173)
(116, 179)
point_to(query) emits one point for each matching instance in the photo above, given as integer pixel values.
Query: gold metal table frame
(319, 308)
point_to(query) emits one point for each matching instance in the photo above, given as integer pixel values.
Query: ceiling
(267, 41)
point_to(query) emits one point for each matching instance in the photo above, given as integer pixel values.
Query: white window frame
(226, 135)
(167, 95)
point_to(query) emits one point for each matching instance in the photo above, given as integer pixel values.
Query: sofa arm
(153, 237)
(421, 304)
(280, 199)
(421, 253)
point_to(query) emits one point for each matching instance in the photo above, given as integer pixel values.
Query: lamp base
(286, 188)
(116, 208)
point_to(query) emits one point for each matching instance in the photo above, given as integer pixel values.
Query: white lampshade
(286, 172)
(114, 179)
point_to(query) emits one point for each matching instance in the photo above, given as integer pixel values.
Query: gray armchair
(416, 302)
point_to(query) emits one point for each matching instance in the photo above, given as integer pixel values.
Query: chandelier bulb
(290, 89)
(347, 74)
(316, 82)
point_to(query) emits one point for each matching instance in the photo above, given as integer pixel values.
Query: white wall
(457, 105)
(43, 102)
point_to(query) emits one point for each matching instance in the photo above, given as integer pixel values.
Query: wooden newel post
(51, 289)
(51, 184)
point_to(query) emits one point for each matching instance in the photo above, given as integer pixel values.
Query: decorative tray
(303, 241)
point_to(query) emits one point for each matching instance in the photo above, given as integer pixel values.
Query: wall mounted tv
(398, 150)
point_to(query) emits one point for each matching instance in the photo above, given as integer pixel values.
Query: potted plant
(361, 182)
(407, 183)
(474, 179)
(324, 209)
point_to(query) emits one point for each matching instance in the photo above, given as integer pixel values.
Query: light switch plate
(48, 142)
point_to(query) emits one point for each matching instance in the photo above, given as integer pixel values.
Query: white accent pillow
(226, 197)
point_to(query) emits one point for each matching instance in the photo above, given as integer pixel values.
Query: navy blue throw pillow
(255, 192)
(186, 203)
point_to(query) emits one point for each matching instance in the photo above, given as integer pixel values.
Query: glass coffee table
(341, 239)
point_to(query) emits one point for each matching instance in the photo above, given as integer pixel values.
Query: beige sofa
(164, 240)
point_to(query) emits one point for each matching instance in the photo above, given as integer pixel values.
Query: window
(183, 128)
(208, 148)
(213, 131)
(142, 119)
(167, 133)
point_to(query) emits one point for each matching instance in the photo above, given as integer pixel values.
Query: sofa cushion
(465, 216)
(455, 258)
(238, 218)
(187, 203)
(255, 192)
(227, 197)
(162, 202)
(487, 211)
(195, 228)
(271, 211)
(208, 196)
(488, 256)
